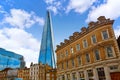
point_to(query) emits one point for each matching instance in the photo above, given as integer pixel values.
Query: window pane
(85, 43)
(97, 55)
(94, 39)
(109, 51)
(71, 49)
(90, 74)
(78, 47)
(101, 73)
(72, 62)
(67, 64)
(79, 60)
(81, 74)
(105, 34)
(87, 58)
(66, 53)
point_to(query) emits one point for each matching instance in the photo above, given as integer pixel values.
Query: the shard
(46, 55)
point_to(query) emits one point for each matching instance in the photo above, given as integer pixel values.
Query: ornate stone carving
(91, 24)
(75, 34)
(83, 29)
(71, 38)
(66, 41)
(101, 18)
(61, 43)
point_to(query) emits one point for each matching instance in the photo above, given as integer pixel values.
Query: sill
(98, 60)
(110, 57)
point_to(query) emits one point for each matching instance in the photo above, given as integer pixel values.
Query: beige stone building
(91, 54)
(24, 73)
(42, 72)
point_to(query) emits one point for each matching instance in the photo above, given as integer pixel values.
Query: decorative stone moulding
(71, 38)
(75, 34)
(61, 43)
(66, 41)
(91, 24)
(101, 21)
(83, 29)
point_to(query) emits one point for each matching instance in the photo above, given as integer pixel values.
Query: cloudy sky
(22, 21)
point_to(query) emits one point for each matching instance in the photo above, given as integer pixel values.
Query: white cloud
(110, 9)
(22, 19)
(79, 6)
(49, 1)
(53, 8)
(21, 42)
(54, 5)
(117, 31)
(2, 11)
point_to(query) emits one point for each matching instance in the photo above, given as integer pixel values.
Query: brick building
(24, 73)
(91, 54)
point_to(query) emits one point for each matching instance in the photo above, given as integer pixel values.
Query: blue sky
(22, 21)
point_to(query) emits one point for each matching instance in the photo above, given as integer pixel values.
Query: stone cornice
(102, 21)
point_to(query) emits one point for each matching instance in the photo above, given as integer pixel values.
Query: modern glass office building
(47, 52)
(10, 59)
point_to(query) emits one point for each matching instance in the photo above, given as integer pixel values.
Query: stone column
(77, 74)
(86, 75)
(71, 76)
(95, 74)
(60, 77)
(107, 73)
(65, 76)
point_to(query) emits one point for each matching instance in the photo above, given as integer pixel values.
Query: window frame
(98, 53)
(107, 34)
(79, 60)
(77, 47)
(92, 39)
(71, 50)
(86, 43)
(113, 52)
(73, 62)
(66, 52)
(88, 57)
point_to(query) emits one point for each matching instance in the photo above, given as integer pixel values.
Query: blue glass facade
(10, 59)
(46, 51)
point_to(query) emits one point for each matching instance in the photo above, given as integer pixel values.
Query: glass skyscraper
(10, 60)
(47, 55)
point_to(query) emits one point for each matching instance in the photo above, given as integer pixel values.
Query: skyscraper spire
(47, 55)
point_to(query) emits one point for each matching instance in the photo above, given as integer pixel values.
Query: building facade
(91, 54)
(8, 74)
(24, 74)
(10, 59)
(42, 72)
(3, 74)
